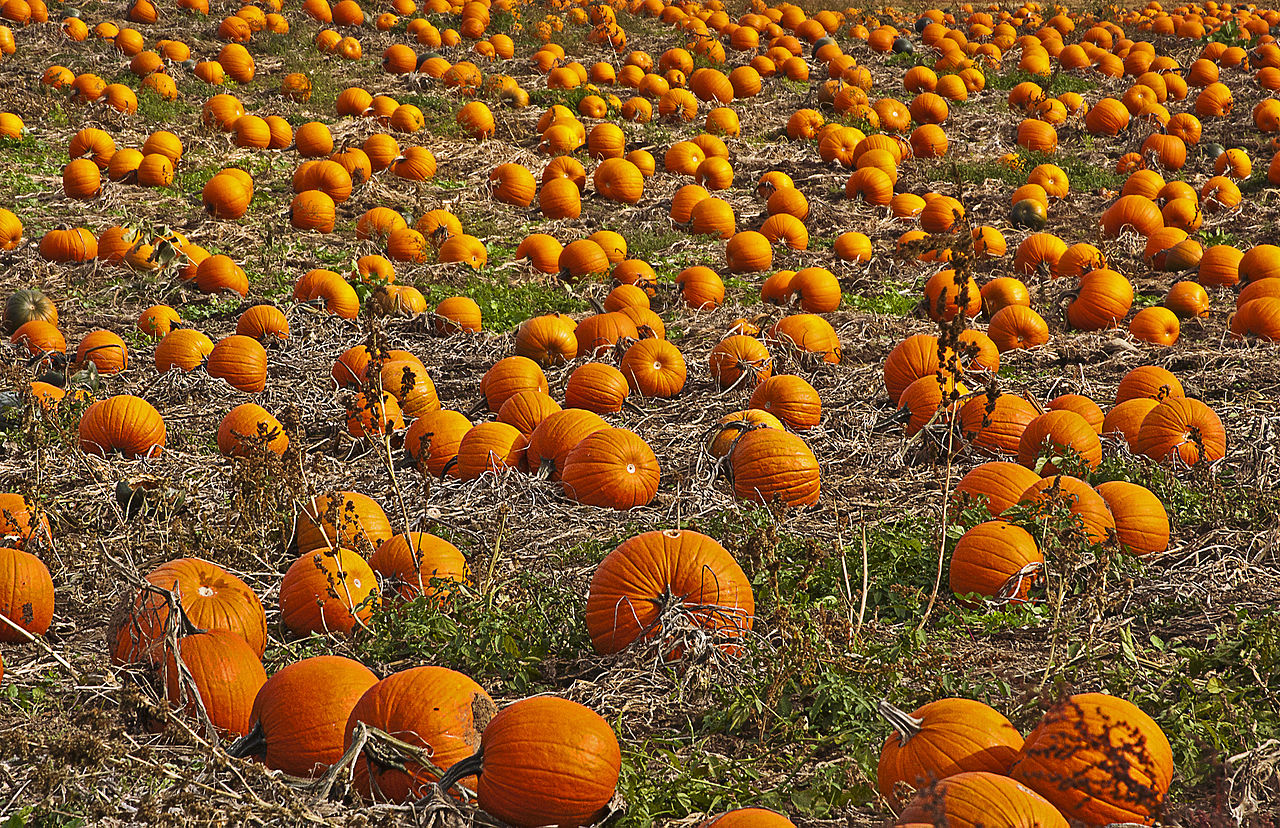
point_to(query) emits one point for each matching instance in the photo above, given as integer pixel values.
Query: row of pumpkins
(1153, 325)
(308, 715)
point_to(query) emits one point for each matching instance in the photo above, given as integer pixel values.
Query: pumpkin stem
(903, 723)
(471, 766)
(253, 743)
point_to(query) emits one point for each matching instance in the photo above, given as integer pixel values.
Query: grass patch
(896, 300)
(505, 304)
(502, 635)
(1053, 84)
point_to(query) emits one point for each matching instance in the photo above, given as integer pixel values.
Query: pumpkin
(26, 594)
(1142, 524)
(105, 350)
(1184, 428)
(598, 334)
(1103, 299)
(1090, 511)
(941, 739)
(27, 305)
(701, 287)
(328, 590)
(361, 523)
(1258, 318)
(914, 357)
(791, 399)
(1148, 381)
(1099, 760)
(654, 368)
(247, 429)
(979, 799)
(455, 314)
(583, 258)
(510, 376)
(740, 359)
(420, 564)
(241, 361)
(123, 423)
(489, 447)
(434, 708)
(747, 818)
(596, 387)
(750, 252)
(211, 598)
(1131, 213)
(612, 468)
(998, 485)
(225, 197)
(298, 715)
(227, 675)
(433, 439)
(1059, 431)
(544, 761)
(182, 348)
(806, 336)
(513, 184)
(767, 464)
(658, 576)
(265, 323)
(995, 560)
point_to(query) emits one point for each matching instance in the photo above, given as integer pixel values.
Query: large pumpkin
(768, 464)
(1183, 428)
(1057, 432)
(999, 484)
(747, 818)
(658, 577)
(123, 423)
(941, 739)
(613, 468)
(431, 707)
(995, 560)
(789, 398)
(418, 563)
(1142, 524)
(212, 599)
(227, 675)
(1093, 517)
(330, 590)
(20, 522)
(360, 522)
(298, 716)
(1099, 759)
(544, 761)
(26, 594)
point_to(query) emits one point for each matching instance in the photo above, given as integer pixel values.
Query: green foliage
(505, 304)
(502, 638)
(896, 299)
(1211, 695)
(156, 109)
(1054, 83)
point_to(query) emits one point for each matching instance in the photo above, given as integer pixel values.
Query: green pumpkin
(25, 305)
(1029, 213)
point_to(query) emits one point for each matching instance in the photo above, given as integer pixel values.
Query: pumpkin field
(639, 412)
